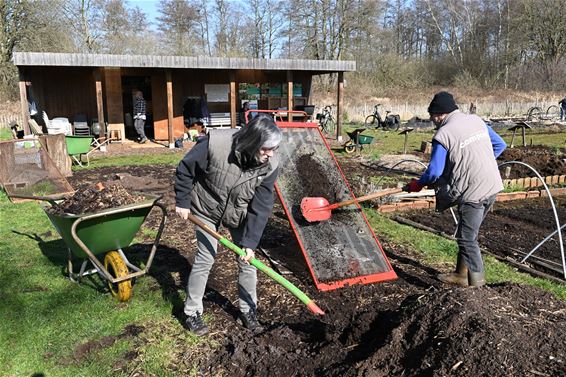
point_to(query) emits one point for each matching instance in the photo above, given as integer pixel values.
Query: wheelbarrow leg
(76, 277)
(128, 263)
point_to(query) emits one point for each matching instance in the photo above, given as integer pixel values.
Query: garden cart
(106, 233)
(78, 146)
(357, 140)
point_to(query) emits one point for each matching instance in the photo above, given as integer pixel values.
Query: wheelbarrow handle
(364, 198)
(260, 266)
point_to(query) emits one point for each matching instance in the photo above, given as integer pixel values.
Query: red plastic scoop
(318, 209)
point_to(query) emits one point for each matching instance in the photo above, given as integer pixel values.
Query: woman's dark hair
(260, 132)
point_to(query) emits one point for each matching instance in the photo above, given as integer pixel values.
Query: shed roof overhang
(198, 62)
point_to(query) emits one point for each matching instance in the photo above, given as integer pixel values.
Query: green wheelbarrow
(357, 140)
(78, 146)
(105, 233)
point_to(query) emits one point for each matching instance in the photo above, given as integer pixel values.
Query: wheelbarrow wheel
(116, 266)
(349, 147)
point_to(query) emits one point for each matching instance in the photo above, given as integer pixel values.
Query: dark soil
(95, 198)
(413, 326)
(544, 160)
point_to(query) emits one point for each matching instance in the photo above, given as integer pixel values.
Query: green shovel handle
(260, 266)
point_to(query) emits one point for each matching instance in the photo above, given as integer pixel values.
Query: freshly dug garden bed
(413, 326)
(511, 229)
(543, 159)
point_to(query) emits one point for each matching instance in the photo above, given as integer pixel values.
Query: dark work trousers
(139, 125)
(471, 217)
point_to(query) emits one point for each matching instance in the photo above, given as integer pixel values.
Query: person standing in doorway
(464, 173)
(139, 116)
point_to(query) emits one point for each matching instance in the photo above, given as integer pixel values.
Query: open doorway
(130, 85)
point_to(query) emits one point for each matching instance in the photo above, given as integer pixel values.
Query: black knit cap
(442, 103)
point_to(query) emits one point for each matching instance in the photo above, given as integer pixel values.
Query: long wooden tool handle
(364, 198)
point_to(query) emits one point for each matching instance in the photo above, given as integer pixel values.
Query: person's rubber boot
(458, 277)
(476, 279)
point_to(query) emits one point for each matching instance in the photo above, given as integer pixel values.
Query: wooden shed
(101, 86)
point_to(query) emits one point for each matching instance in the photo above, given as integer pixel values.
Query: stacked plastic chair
(80, 125)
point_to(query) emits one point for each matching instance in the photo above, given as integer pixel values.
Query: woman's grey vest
(471, 173)
(224, 192)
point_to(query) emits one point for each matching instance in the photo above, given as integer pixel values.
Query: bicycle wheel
(534, 113)
(393, 122)
(371, 122)
(553, 111)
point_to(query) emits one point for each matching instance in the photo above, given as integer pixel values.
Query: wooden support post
(100, 103)
(340, 104)
(24, 104)
(169, 84)
(523, 133)
(233, 97)
(289, 95)
(406, 143)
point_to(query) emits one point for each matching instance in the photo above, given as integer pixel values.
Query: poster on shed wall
(217, 92)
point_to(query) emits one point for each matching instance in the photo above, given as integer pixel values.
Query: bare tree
(228, 33)
(84, 18)
(178, 26)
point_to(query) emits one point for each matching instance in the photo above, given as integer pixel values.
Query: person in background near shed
(562, 104)
(139, 116)
(463, 172)
(242, 121)
(227, 179)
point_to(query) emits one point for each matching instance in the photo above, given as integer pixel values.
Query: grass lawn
(54, 327)
(45, 317)
(390, 142)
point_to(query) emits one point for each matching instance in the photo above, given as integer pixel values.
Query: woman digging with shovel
(227, 179)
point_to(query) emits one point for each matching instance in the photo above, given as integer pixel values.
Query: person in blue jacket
(464, 173)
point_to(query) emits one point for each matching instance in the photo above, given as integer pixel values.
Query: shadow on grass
(170, 269)
(57, 252)
(412, 278)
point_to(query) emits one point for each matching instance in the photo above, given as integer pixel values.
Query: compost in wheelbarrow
(107, 232)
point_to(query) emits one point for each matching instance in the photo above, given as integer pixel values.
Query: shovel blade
(315, 209)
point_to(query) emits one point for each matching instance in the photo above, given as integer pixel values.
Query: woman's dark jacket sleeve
(195, 162)
(258, 211)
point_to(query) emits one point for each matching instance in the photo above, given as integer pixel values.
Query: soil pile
(504, 330)
(499, 330)
(96, 198)
(544, 160)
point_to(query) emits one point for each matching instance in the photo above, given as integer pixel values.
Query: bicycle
(390, 123)
(326, 120)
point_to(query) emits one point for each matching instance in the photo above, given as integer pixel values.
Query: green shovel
(260, 266)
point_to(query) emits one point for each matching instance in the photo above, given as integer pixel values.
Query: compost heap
(498, 330)
(95, 198)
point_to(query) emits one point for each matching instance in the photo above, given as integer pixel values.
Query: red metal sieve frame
(366, 279)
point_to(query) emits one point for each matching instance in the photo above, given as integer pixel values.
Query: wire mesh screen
(27, 171)
(339, 251)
